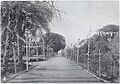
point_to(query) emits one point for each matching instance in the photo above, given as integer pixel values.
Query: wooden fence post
(37, 50)
(26, 53)
(47, 54)
(84, 61)
(75, 56)
(71, 53)
(32, 52)
(44, 48)
(99, 58)
(29, 51)
(18, 46)
(78, 56)
(14, 59)
(99, 63)
(88, 60)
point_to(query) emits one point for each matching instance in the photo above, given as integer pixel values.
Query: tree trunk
(5, 56)
(20, 53)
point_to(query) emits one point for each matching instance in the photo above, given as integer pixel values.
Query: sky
(81, 15)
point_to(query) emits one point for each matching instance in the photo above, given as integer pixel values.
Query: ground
(57, 69)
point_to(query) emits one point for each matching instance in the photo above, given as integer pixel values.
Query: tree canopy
(56, 41)
(107, 41)
(110, 28)
(19, 16)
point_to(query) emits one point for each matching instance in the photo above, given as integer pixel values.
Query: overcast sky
(80, 15)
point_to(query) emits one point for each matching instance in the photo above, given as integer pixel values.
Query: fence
(10, 65)
(96, 60)
(49, 52)
(99, 66)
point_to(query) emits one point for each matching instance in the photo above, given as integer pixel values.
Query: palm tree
(17, 16)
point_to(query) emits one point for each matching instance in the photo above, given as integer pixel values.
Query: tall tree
(56, 41)
(17, 16)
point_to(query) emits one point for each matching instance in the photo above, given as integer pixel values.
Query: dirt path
(56, 69)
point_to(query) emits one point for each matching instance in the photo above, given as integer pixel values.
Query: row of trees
(99, 53)
(17, 17)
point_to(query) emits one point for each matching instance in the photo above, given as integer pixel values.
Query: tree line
(17, 19)
(103, 55)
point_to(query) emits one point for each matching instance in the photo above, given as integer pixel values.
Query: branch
(17, 35)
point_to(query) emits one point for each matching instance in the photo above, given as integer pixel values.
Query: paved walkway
(56, 69)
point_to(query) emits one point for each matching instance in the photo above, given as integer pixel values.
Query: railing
(10, 66)
(102, 67)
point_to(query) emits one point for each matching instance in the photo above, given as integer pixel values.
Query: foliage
(110, 28)
(56, 41)
(114, 45)
(109, 52)
(19, 16)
